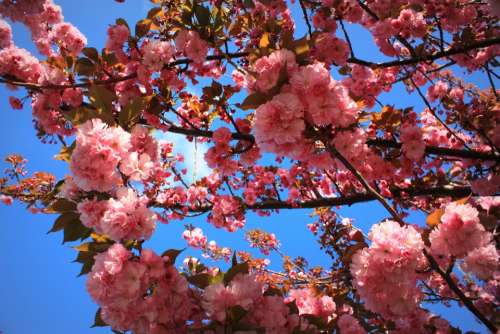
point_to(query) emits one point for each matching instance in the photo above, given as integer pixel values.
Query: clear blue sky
(39, 291)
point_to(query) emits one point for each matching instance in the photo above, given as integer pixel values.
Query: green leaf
(216, 88)
(200, 280)
(130, 114)
(74, 229)
(110, 58)
(63, 205)
(172, 254)
(102, 99)
(85, 66)
(236, 313)
(234, 270)
(59, 224)
(153, 12)
(142, 27)
(98, 322)
(65, 153)
(120, 21)
(254, 100)
(91, 53)
(202, 15)
(273, 292)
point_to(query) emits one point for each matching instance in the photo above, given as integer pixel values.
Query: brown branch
(306, 18)
(424, 58)
(441, 151)
(459, 293)
(398, 194)
(451, 51)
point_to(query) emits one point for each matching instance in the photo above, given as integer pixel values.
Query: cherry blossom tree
(299, 125)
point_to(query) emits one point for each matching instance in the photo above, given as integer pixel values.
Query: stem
(463, 298)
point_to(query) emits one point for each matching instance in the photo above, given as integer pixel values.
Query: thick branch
(459, 293)
(352, 60)
(443, 191)
(441, 151)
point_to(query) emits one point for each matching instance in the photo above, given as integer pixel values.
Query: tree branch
(441, 191)
(459, 293)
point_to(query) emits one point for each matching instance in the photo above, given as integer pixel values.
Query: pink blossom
(268, 69)
(156, 54)
(137, 167)
(216, 300)
(279, 124)
(226, 212)
(270, 313)
(19, 63)
(73, 97)
(437, 91)
(413, 144)
(128, 217)
(489, 185)
(331, 49)
(5, 34)
(99, 149)
(15, 103)
(385, 273)
(349, 325)
(7, 200)
(91, 213)
(482, 262)
(308, 302)
(190, 43)
(410, 23)
(195, 238)
(459, 232)
(68, 37)
(117, 36)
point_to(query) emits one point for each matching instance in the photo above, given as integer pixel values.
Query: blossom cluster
(385, 273)
(311, 96)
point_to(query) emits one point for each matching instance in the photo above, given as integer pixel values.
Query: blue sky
(39, 290)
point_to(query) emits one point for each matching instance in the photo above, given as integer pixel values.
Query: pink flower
(5, 34)
(137, 167)
(413, 144)
(409, 23)
(308, 302)
(195, 238)
(226, 212)
(127, 217)
(216, 300)
(482, 262)
(117, 36)
(267, 69)
(19, 63)
(279, 124)
(73, 97)
(270, 313)
(98, 151)
(437, 91)
(7, 200)
(385, 273)
(459, 232)
(349, 325)
(243, 290)
(190, 43)
(156, 54)
(68, 37)
(331, 49)
(15, 103)
(91, 213)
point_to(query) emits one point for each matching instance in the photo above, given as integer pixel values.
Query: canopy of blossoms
(298, 126)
